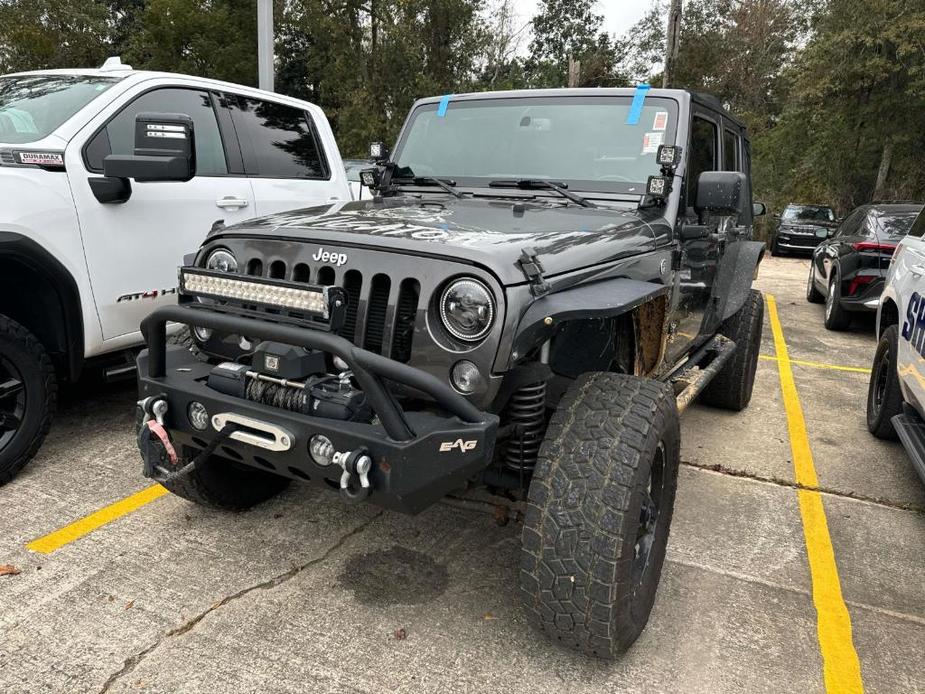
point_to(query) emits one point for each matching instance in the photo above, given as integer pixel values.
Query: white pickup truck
(896, 398)
(85, 257)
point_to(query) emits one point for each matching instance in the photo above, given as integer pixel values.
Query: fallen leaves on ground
(400, 634)
(8, 570)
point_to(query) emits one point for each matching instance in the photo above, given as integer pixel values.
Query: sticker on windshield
(651, 142)
(661, 121)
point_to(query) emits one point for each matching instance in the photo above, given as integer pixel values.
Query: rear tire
(813, 295)
(223, 484)
(836, 317)
(598, 513)
(28, 396)
(732, 387)
(884, 399)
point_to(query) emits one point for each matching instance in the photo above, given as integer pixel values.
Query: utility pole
(265, 44)
(671, 45)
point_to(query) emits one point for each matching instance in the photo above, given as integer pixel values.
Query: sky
(619, 15)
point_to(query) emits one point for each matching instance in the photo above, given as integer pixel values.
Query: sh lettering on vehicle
(914, 325)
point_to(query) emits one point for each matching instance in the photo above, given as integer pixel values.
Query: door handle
(229, 201)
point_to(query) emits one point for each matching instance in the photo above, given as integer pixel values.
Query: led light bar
(310, 299)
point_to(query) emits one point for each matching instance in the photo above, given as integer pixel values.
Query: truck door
(699, 255)
(133, 249)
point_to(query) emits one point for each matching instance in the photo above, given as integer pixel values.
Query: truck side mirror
(165, 150)
(759, 209)
(720, 192)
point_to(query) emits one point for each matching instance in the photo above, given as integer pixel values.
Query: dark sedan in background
(848, 270)
(800, 228)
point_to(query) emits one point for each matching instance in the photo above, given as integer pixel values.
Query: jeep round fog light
(466, 377)
(321, 449)
(198, 415)
(203, 333)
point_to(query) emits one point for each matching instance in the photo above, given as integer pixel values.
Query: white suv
(896, 398)
(85, 257)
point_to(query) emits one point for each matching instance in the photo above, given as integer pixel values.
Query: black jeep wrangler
(543, 281)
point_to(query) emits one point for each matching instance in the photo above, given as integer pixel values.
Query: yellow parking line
(841, 667)
(74, 531)
(820, 365)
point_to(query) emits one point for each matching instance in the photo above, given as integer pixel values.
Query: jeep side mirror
(759, 209)
(720, 192)
(165, 150)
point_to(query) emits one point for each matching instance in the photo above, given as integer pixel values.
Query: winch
(294, 379)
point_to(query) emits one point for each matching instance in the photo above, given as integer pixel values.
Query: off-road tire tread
(731, 388)
(222, 484)
(12, 331)
(881, 426)
(581, 492)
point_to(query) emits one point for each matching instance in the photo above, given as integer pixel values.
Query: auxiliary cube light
(308, 299)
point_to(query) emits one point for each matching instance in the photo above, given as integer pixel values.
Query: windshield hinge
(532, 268)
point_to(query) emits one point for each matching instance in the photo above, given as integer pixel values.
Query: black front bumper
(418, 457)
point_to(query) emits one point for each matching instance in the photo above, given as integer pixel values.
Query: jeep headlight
(467, 309)
(222, 260)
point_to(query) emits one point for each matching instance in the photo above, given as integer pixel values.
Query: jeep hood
(488, 232)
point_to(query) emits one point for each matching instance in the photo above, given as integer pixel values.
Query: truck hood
(492, 233)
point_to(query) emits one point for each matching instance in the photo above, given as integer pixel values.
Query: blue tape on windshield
(444, 103)
(639, 98)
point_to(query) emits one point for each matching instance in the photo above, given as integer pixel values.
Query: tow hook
(154, 442)
(356, 466)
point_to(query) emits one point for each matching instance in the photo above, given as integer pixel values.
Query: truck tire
(836, 317)
(28, 396)
(775, 249)
(598, 512)
(884, 399)
(813, 295)
(224, 484)
(732, 387)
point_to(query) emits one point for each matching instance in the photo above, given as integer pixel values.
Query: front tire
(775, 249)
(732, 387)
(223, 484)
(836, 317)
(813, 295)
(884, 399)
(28, 396)
(599, 510)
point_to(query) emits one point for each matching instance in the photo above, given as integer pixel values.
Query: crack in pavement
(877, 501)
(132, 662)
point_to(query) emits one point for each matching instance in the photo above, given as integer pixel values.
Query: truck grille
(381, 313)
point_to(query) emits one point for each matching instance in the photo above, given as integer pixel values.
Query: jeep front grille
(381, 313)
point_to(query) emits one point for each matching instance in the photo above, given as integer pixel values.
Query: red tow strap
(161, 433)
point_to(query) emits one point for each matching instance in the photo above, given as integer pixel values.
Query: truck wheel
(223, 484)
(884, 400)
(836, 317)
(775, 249)
(28, 395)
(598, 512)
(813, 295)
(732, 387)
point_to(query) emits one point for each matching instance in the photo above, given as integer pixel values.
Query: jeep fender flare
(605, 299)
(62, 333)
(737, 269)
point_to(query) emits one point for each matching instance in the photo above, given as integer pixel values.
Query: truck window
(278, 141)
(703, 154)
(730, 151)
(118, 136)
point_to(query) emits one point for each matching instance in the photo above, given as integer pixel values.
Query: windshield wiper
(430, 181)
(541, 184)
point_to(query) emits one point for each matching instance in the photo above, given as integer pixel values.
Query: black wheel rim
(12, 401)
(650, 512)
(880, 381)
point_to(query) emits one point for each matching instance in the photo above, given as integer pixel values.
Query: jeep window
(278, 141)
(34, 106)
(808, 213)
(889, 225)
(704, 135)
(118, 136)
(730, 151)
(584, 142)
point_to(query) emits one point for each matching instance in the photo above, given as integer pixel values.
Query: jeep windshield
(586, 144)
(33, 106)
(808, 213)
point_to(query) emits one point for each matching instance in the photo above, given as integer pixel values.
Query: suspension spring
(526, 412)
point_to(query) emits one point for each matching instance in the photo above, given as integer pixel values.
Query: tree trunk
(885, 161)
(671, 44)
(574, 72)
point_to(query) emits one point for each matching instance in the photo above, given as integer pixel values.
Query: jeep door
(289, 154)
(133, 249)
